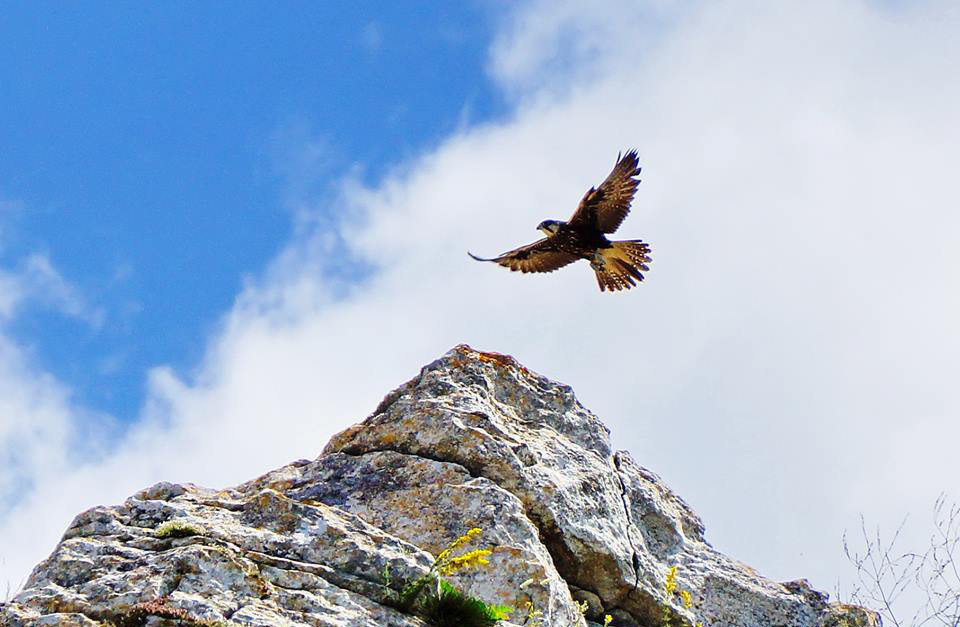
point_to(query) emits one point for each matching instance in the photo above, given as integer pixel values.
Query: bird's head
(549, 227)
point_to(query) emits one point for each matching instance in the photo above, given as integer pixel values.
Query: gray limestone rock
(475, 440)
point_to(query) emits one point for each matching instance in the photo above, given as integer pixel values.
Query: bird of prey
(602, 209)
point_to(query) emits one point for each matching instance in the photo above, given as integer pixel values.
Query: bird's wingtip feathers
(631, 157)
(472, 256)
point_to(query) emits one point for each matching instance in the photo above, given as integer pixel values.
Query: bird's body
(616, 264)
(577, 239)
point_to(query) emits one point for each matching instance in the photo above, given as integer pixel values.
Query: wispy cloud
(41, 433)
(35, 281)
(790, 360)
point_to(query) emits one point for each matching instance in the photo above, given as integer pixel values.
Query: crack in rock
(635, 559)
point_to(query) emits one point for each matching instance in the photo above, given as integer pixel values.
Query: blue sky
(156, 156)
(233, 231)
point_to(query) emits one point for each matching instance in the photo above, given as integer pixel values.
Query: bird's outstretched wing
(604, 208)
(540, 256)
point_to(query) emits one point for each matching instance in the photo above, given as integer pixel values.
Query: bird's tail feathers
(619, 267)
(633, 251)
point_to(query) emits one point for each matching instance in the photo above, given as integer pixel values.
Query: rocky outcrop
(475, 440)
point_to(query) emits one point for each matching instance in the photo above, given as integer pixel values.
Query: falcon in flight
(616, 264)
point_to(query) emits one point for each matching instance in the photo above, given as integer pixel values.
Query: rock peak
(474, 440)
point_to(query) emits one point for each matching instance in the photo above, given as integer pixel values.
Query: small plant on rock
(533, 617)
(178, 529)
(672, 588)
(449, 607)
(440, 602)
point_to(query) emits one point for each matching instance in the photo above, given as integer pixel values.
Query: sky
(226, 234)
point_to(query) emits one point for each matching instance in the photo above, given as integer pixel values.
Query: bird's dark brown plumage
(540, 256)
(601, 211)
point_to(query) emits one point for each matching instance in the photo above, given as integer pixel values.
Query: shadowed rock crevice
(474, 440)
(634, 558)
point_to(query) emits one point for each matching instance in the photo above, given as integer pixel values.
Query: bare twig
(883, 574)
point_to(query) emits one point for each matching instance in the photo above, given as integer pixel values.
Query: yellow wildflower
(473, 559)
(607, 620)
(459, 542)
(687, 599)
(671, 584)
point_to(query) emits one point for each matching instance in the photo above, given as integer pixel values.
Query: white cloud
(547, 46)
(789, 363)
